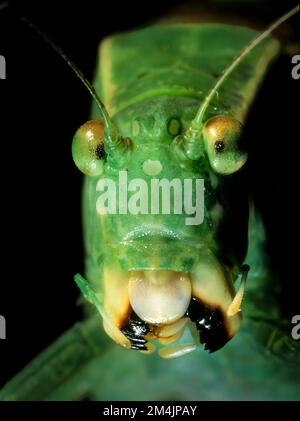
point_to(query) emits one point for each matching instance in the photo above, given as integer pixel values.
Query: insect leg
(57, 371)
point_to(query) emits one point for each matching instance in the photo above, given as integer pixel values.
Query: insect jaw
(163, 301)
(218, 311)
(211, 323)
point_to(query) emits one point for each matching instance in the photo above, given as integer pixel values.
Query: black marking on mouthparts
(210, 324)
(135, 330)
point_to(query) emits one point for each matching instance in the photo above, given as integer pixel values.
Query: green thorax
(181, 60)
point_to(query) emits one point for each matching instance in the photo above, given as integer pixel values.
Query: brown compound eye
(221, 136)
(88, 147)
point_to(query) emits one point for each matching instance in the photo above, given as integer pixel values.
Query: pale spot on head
(174, 127)
(152, 167)
(135, 128)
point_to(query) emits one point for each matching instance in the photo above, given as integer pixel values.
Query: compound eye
(222, 139)
(88, 147)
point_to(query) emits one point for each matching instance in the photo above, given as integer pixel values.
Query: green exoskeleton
(170, 113)
(176, 97)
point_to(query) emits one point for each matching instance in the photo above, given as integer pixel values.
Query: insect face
(161, 276)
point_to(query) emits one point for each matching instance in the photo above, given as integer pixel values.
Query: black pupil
(100, 151)
(219, 146)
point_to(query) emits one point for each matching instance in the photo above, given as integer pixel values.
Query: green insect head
(165, 279)
(163, 175)
(171, 269)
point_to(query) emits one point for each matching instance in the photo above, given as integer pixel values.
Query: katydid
(152, 114)
(172, 114)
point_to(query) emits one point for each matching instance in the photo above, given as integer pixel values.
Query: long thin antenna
(246, 50)
(77, 71)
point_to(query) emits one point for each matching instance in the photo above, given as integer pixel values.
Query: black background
(42, 105)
